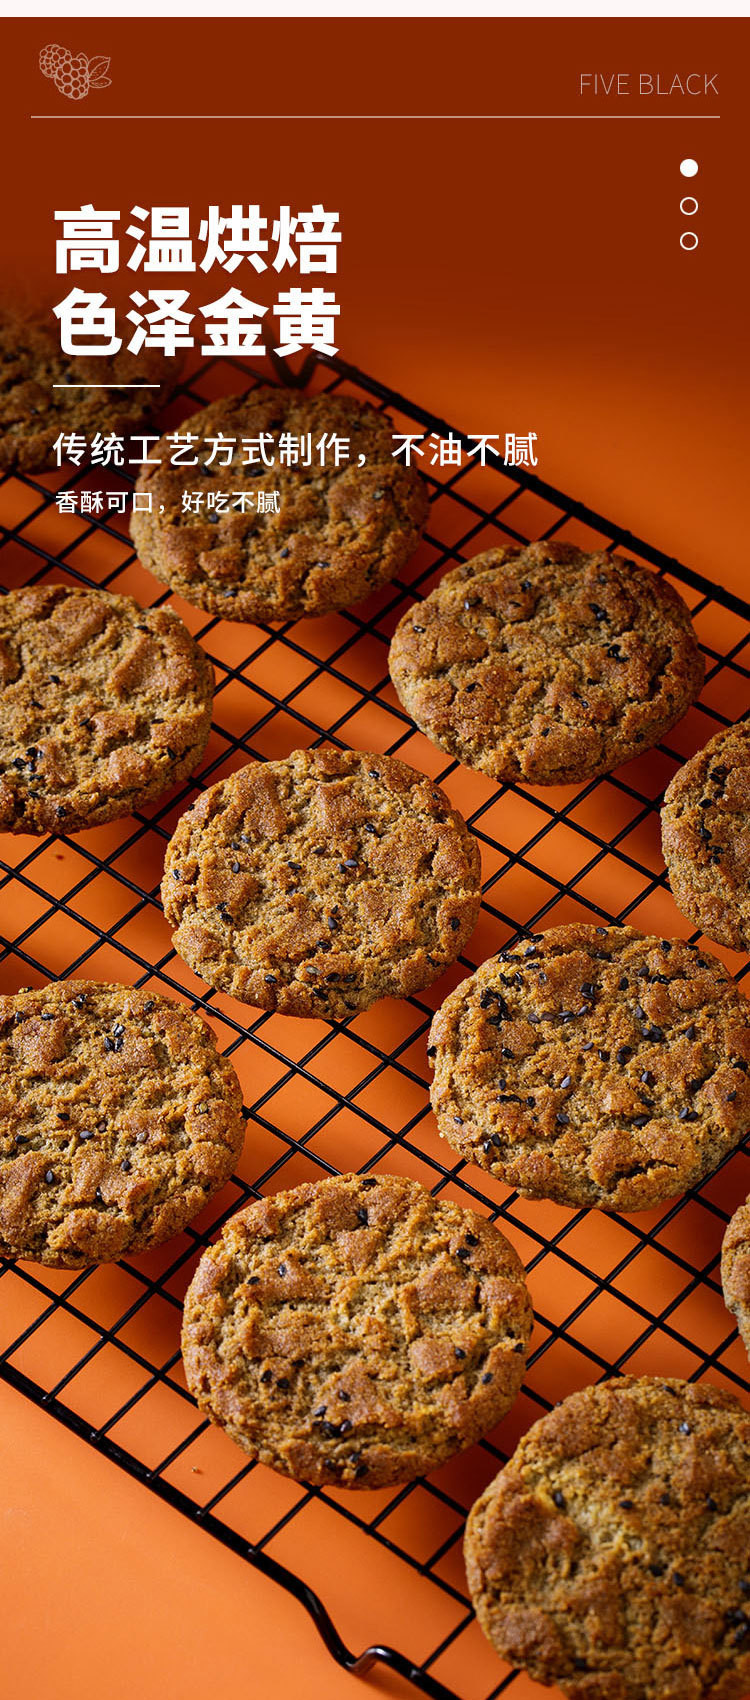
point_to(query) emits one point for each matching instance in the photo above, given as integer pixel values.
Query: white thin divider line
(106, 386)
(396, 117)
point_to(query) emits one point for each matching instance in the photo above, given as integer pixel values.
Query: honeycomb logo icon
(73, 74)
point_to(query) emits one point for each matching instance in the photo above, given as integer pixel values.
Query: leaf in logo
(98, 67)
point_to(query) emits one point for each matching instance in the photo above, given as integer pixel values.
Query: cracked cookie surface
(33, 413)
(320, 883)
(735, 1270)
(355, 1330)
(103, 705)
(705, 825)
(547, 665)
(340, 531)
(594, 1066)
(118, 1120)
(610, 1556)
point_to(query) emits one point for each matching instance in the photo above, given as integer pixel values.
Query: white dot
(689, 167)
(688, 240)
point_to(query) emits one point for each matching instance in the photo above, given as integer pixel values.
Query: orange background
(508, 276)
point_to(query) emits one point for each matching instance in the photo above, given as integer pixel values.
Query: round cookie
(320, 883)
(594, 1066)
(545, 664)
(118, 1120)
(705, 827)
(611, 1556)
(103, 705)
(340, 531)
(33, 413)
(356, 1330)
(735, 1270)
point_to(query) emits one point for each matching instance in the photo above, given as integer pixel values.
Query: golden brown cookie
(319, 883)
(356, 1330)
(611, 1556)
(735, 1270)
(546, 664)
(34, 413)
(340, 532)
(594, 1066)
(103, 705)
(705, 826)
(118, 1120)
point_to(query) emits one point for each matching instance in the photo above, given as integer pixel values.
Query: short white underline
(106, 386)
(386, 117)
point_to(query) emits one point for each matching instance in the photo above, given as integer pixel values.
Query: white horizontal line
(385, 117)
(106, 386)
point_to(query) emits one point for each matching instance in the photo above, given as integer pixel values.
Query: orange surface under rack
(640, 1293)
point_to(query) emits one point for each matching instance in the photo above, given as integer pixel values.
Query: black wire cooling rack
(99, 1350)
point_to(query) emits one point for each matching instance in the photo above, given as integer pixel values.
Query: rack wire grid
(99, 1350)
